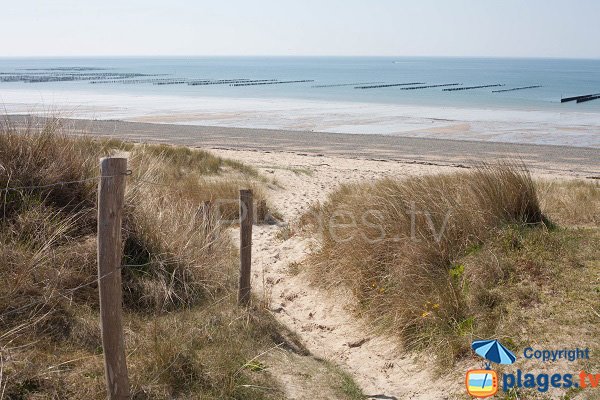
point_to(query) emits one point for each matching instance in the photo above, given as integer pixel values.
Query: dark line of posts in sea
(55, 73)
(181, 81)
(62, 69)
(345, 84)
(202, 82)
(590, 98)
(270, 83)
(65, 77)
(430, 86)
(171, 82)
(388, 85)
(581, 99)
(517, 88)
(86, 74)
(472, 87)
(232, 82)
(135, 81)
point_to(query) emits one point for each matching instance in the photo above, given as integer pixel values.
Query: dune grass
(571, 203)
(440, 260)
(185, 337)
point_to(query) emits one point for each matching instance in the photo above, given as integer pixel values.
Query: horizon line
(56, 56)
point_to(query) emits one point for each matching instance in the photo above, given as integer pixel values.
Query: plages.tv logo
(483, 383)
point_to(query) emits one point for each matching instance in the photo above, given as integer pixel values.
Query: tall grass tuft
(175, 261)
(397, 244)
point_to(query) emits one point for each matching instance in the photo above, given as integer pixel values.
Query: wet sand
(561, 160)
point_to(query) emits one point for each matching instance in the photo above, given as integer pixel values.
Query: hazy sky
(521, 28)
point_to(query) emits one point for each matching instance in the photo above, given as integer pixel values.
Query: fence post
(246, 219)
(111, 195)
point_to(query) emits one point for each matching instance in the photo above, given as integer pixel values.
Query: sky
(479, 28)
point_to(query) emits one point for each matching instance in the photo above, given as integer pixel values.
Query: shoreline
(563, 125)
(562, 160)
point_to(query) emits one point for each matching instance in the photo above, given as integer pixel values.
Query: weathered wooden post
(246, 219)
(111, 197)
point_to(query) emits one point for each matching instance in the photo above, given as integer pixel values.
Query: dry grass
(412, 250)
(571, 203)
(185, 336)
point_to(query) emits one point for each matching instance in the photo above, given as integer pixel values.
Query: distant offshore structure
(517, 88)
(97, 76)
(581, 99)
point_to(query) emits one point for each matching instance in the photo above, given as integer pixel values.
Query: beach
(301, 169)
(569, 126)
(305, 150)
(300, 200)
(326, 320)
(561, 160)
(491, 100)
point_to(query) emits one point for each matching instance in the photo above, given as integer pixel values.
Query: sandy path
(324, 319)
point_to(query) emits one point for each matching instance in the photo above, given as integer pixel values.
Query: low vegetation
(185, 336)
(441, 260)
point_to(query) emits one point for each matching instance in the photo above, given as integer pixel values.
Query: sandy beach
(301, 169)
(325, 320)
(561, 160)
(554, 124)
(300, 200)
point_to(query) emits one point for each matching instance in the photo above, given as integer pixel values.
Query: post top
(117, 157)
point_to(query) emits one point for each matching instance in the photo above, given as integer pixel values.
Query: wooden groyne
(345, 84)
(517, 88)
(171, 82)
(430, 86)
(134, 81)
(388, 85)
(154, 81)
(204, 82)
(270, 83)
(63, 69)
(133, 78)
(577, 98)
(229, 81)
(179, 81)
(589, 98)
(28, 77)
(472, 87)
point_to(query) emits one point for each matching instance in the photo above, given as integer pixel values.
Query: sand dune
(325, 320)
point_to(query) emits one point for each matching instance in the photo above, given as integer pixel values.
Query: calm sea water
(557, 77)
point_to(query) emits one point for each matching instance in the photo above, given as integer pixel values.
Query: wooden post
(246, 219)
(111, 196)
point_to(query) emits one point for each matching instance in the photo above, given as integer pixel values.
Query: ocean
(385, 95)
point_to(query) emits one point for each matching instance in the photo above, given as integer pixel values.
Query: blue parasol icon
(494, 351)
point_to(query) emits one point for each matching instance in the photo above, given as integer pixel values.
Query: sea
(509, 100)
